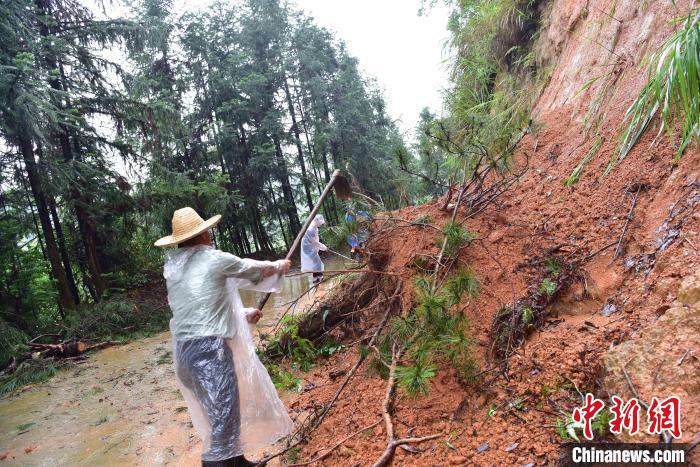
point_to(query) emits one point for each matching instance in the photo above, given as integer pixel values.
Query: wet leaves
(24, 427)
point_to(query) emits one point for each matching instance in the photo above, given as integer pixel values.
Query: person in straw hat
(231, 399)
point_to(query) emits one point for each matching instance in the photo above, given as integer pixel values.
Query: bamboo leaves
(673, 89)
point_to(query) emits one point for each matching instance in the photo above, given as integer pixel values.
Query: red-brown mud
(516, 414)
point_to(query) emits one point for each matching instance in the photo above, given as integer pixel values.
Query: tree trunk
(85, 223)
(261, 238)
(279, 218)
(288, 195)
(36, 223)
(65, 298)
(63, 250)
(311, 152)
(297, 140)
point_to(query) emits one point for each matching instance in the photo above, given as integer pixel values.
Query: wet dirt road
(121, 407)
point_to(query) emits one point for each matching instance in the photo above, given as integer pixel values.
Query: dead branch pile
(72, 349)
(335, 309)
(515, 321)
(670, 228)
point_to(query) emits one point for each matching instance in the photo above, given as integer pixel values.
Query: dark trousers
(205, 366)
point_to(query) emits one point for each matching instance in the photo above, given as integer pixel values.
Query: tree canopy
(108, 125)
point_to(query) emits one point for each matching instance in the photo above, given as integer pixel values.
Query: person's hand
(254, 316)
(323, 247)
(280, 267)
(284, 265)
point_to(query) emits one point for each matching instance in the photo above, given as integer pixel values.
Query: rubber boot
(243, 462)
(224, 463)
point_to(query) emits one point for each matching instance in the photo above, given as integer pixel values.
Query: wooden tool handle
(304, 228)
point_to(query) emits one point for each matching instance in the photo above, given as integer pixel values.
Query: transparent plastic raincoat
(310, 246)
(232, 402)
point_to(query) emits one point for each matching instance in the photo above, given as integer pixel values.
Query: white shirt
(196, 278)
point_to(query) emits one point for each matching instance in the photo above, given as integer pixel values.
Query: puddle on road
(121, 407)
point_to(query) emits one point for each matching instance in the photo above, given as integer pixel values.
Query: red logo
(626, 416)
(587, 413)
(665, 415)
(662, 415)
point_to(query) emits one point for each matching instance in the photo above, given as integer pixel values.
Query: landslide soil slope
(509, 418)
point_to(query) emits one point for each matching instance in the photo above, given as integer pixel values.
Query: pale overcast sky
(402, 50)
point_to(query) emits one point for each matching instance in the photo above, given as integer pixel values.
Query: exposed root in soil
(670, 227)
(336, 446)
(515, 321)
(387, 409)
(314, 420)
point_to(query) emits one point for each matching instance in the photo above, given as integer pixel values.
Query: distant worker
(359, 233)
(310, 246)
(232, 402)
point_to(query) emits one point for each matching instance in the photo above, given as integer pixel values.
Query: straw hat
(187, 224)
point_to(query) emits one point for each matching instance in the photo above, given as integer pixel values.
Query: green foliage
(673, 88)
(545, 391)
(431, 334)
(401, 329)
(119, 318)
(28, 372)
(12, 341)
(25, 426)
(548, 286)
(463, 282)
(301, 351)
(553, 266)
(293, 455)
(423, 200)
(527, 315)
(456, 237)
(493, 87)
(601, 423)
(414, 379)
(567, 428)
(578, 170)
(378, 364)
(241, 110)
(429, 305)
(283, 379)
(329, 348)
(335, 237)
(491, 39)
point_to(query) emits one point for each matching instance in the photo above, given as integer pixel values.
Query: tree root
(316, 423)
(330, 450)
(392, 442)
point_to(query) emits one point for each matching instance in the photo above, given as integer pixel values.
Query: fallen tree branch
(444, 240)
(409, 223)
(627, 222)
(342, 386)
(392, 442)
(346, 271)
(325, 454)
